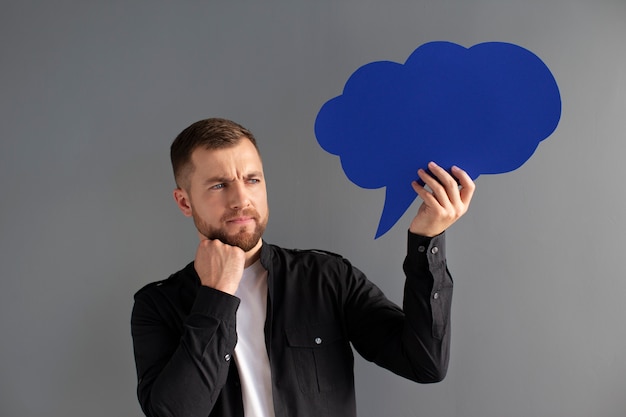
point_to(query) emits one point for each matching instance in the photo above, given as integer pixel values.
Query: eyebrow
(221, 179)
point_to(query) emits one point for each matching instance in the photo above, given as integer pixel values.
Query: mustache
(234, 214)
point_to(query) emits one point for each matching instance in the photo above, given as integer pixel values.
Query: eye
(254, 181)
(217, 186)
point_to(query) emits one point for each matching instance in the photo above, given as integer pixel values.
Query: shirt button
(227, 357)
(436, 296)
(434, 250)
(318, 340)
(421, 249)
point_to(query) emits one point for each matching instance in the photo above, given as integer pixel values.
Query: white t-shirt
(250, 353)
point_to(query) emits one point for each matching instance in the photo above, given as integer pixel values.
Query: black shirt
(184, 334)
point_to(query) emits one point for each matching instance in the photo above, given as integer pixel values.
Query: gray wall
(94, 92)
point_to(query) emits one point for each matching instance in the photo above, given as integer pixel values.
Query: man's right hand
(219, 265)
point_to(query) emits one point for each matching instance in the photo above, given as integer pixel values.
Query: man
(252, 329)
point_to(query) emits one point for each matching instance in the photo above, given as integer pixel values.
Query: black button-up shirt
(184, 334)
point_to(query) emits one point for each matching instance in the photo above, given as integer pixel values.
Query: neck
(253, 254)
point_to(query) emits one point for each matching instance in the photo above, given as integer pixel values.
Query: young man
(252, 329)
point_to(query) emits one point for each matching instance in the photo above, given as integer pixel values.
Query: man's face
(226, 195)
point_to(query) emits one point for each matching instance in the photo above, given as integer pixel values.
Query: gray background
(92, 93)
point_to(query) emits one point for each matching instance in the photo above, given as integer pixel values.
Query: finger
(438, 187)
(448, 181)
(467, 184)
(424, 194)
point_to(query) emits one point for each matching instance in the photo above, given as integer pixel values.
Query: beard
(244, 239)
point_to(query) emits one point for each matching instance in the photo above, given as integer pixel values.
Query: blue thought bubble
(484, 109)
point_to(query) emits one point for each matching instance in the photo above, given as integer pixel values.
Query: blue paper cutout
(484, 109)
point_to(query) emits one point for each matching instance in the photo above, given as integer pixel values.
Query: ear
(182, 201)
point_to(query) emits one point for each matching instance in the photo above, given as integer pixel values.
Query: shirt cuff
(430, 250)
(215, 303)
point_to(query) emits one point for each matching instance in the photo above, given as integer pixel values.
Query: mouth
(240, 220)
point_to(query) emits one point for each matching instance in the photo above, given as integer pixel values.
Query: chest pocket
(322, 358)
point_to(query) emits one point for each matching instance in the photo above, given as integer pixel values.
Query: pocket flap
(313, 336)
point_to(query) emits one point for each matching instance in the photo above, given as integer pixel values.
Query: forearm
(414, 341)
(181, 373)
(427, 305)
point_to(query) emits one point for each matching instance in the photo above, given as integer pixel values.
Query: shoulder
(174, 282)
(318, 255)
(310, 263)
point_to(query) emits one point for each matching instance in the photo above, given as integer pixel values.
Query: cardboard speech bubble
(484, 109)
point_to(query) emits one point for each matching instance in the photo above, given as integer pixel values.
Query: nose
(239, 195)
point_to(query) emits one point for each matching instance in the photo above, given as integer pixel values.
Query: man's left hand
(444, 199)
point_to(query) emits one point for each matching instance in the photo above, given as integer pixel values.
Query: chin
(244, 240)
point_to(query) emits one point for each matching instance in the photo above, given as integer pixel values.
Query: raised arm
(184, 345)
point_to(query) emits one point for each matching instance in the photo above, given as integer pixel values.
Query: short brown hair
(213, 133)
